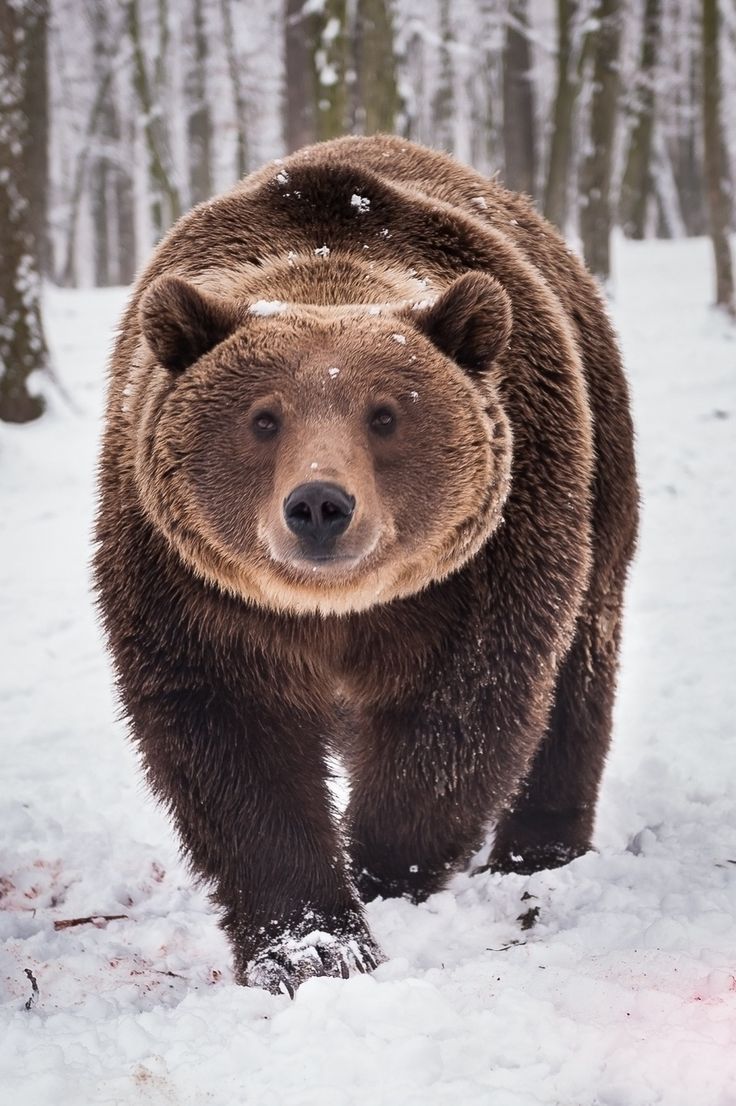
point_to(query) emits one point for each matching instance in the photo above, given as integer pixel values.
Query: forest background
(118, 115)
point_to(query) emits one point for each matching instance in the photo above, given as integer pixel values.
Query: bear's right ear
(181, 324)
(470, 321)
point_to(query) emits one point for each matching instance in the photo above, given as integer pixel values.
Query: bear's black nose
(318, 512)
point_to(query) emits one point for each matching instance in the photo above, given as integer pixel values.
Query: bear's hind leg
(551, 821)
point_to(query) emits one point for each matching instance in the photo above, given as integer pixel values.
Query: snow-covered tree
(235, 72)
(443, 102)
(329, 41)
(519, 128)
(149, 82)
(561, 142)
(199, 121)
(376, 91)
(597, 168)
(595, 107)
(637, 185)
(716, 159)
(22, 343)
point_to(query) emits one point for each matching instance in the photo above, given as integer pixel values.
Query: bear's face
(323, 459)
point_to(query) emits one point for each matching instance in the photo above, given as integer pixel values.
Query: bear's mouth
(304, 558)
(325, 565)
(326, 558)
(333, 563)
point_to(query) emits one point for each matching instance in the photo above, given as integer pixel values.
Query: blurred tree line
(117, 115)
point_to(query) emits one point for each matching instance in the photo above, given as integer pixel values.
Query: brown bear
(367, 487)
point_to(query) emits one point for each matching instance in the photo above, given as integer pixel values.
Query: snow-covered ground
(624, 991)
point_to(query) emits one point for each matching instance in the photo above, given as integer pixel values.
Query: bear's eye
(265, 424)
(383, 421)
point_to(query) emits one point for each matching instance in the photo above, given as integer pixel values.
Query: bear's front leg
(245, 781)
(433, 768)
(426, 776)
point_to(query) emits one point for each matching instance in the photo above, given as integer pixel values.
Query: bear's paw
(284, 966)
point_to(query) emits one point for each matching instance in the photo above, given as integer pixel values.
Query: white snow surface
(624, 991)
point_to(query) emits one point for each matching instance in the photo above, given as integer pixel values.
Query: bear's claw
(525, 860)
(282, 968)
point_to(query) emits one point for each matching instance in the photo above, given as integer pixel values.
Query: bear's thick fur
(367, 486)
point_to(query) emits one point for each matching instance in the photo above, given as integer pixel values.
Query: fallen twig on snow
(505, 948)
(93, 919)
(34, 989)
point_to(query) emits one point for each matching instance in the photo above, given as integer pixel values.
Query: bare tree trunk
(443, 101)
(687, 161)
(414, 65)
(560, 154)
(595, 174)
(480, 95)
(316, 99)
(165, 204)
(688, 170)
(22, 342)
(315, 106)
(102, 171)
(199, 122)
(519, 131)
(716, 161)
(490, 123)
(300, 126)
(68, 276)
(125, 225)
(100, 196)
(637, 184)
(376, 90)
(233, 65)
(670, 223)
(328, 54)
(36, 110)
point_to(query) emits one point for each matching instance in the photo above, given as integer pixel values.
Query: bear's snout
(318, 513)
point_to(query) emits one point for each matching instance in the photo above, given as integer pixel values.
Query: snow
(622, 993)
(328, 75)
(267, 307)
(331, 31)
(362, 203)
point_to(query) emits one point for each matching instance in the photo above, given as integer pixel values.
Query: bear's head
(323, 458)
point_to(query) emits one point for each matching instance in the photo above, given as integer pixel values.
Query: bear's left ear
(181, 324)
(470, 322)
